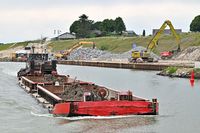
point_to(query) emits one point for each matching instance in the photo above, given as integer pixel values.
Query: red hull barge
(106, 108)
(64, 96)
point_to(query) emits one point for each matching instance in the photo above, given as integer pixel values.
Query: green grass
(114, 44)
(171, 70)
(119, 44)
(196, 70)
(5, 46)
(11, 45)
(21, 44)
(123, 44)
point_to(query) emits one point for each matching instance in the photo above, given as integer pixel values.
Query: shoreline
(155, 66)
(180, 72)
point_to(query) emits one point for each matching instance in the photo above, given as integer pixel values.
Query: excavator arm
(154, 40)
(66, 53)
(77, 45)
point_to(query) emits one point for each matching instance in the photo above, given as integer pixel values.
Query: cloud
(24, 20)
(47, 3)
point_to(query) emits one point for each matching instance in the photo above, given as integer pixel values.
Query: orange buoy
(192, 78)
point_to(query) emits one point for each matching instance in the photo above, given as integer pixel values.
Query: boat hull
(105, 108)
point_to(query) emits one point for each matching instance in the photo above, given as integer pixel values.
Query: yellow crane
(145, 55)
(66, 53)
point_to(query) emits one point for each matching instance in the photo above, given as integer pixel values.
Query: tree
(143, 33)
(83, 17)
(82, 26)
(74, 27)
(119, 25)
(97, 26)
(195, 24)
(108, 25)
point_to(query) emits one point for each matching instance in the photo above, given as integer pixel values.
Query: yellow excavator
(145, 55)
(66, 53)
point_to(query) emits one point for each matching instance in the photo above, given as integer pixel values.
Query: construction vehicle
(66, 53)
(141, 56)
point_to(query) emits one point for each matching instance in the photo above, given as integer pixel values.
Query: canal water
(178, 113)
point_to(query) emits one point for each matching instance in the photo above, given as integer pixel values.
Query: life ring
(102, 92)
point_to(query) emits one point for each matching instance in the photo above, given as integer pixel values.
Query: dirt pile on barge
(75, 92)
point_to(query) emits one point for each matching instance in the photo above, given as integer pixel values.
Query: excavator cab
(144, 55)
(136, 54)
(141, 56)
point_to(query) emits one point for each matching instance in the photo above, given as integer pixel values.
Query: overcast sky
(29, 19)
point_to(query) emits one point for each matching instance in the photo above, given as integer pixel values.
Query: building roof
(65, 34)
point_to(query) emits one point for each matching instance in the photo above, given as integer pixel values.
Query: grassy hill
(123, 44)
(12, 45)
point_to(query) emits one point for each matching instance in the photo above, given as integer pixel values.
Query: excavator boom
(66, 53)
(77, 45)
(154, 40)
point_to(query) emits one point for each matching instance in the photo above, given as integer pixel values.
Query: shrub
(171, 70)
